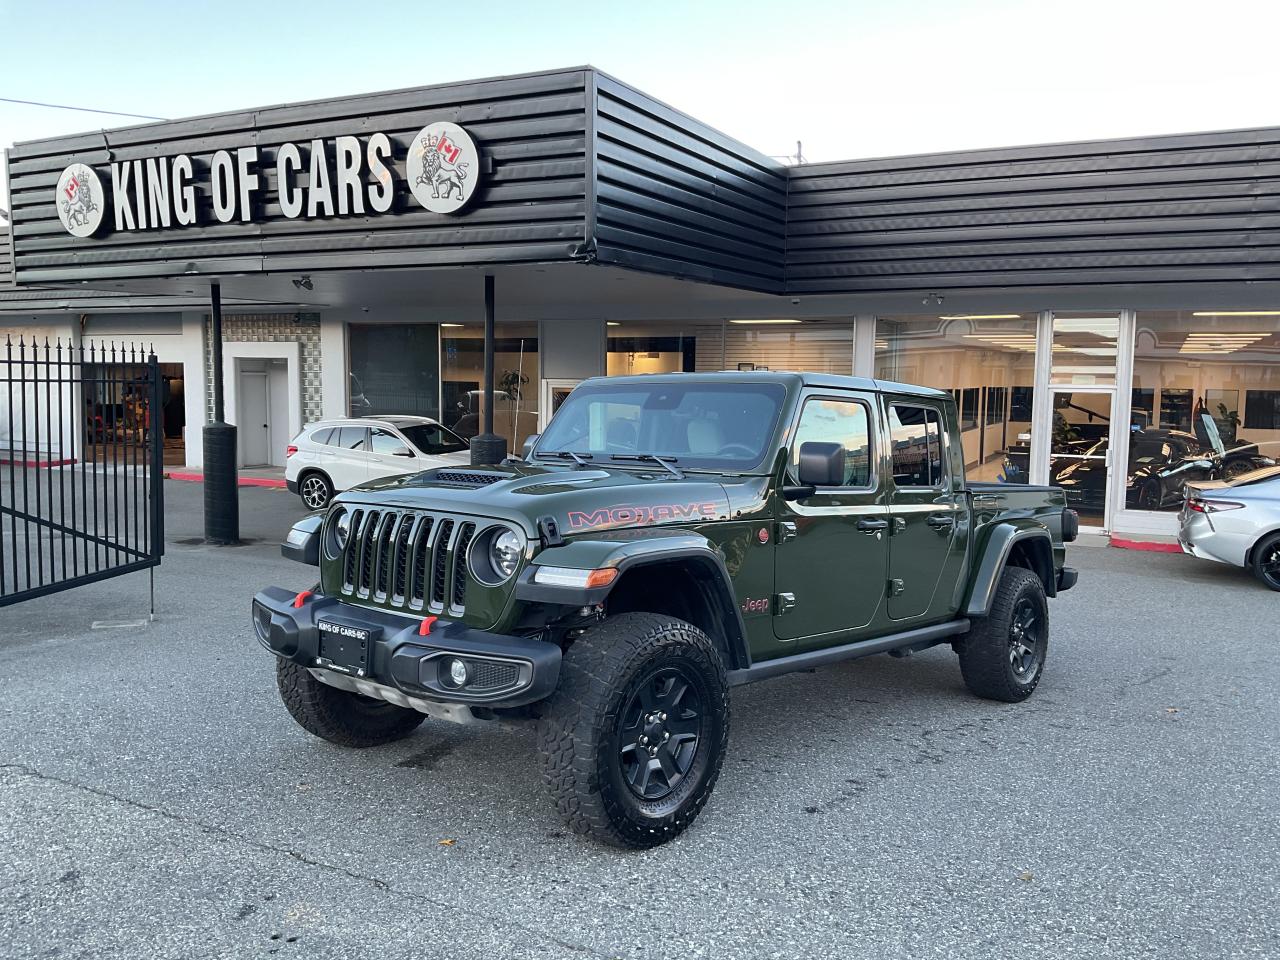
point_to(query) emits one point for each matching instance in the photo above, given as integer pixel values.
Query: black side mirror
(526, 448)
(821, 464)
(402, 452)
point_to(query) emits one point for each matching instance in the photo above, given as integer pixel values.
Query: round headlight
(504, 553)
(342, 529)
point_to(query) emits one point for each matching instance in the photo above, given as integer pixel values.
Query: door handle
(941, 521)
(871, 526)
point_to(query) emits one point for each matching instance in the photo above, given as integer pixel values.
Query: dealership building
(1087, 303)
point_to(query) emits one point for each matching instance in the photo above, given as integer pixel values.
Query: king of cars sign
(342, 176)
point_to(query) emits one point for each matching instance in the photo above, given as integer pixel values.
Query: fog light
(458, 672)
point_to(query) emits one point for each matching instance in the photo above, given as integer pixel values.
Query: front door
(255, 434)
(389, 456)
(925, 511)
(1080, 444)
(832, 548)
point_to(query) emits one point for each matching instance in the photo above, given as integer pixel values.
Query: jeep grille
(407, 559)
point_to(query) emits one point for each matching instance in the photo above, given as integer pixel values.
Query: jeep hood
(578, 500)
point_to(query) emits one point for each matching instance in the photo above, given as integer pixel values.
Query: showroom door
(1081, 442)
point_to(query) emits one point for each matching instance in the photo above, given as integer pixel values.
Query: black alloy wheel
(634, 736)
(1025, 633)
(1003, 655)
(1266, 561)
(659, 732)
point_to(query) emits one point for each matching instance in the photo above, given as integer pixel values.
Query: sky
(851, 79)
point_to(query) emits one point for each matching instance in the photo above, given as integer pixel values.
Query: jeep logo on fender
(625, 516)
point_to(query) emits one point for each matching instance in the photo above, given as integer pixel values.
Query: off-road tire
(583, 726)
(344, 718)
(986, 652)
(1263, 561)
(315, 490)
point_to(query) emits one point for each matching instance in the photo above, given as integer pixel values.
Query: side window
(915, 434)
(846, 422)
(351, 438)
(384, 442)
(323, 436)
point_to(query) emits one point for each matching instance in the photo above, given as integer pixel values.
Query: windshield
(719, 426)
(433, 438)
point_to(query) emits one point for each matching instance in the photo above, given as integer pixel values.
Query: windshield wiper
(665, 462)
(581, 459)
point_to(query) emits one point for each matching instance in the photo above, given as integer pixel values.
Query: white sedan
(1235, 521)
(335, 455)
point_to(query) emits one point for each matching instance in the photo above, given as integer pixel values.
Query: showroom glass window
(650, 348)
(1206, 388)
(516, 380)
(776, 343)
(987, 361)
(394, 368)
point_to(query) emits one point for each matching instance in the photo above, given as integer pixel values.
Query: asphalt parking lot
(157, 802)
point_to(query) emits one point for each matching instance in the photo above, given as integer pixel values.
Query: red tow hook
(425, 629)
(300, 599)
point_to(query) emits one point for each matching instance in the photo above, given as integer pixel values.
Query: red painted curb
(1149, 545)
(242, 482)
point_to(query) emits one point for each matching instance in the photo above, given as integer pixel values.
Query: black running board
(918, 639)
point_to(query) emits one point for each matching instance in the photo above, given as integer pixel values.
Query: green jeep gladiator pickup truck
(667, 538)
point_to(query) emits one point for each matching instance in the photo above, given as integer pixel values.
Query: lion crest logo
(443, 167)
(80, 197)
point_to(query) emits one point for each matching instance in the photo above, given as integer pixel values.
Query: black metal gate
(81, 491)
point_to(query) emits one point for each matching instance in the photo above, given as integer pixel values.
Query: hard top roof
(786, 378)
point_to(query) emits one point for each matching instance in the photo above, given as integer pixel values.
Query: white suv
(335, 455)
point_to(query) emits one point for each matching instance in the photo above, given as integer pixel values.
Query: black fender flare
(639, 554)
(995, 556)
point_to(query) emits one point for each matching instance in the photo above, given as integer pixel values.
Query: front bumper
(507, 671)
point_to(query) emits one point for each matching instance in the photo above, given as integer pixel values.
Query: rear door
(927, 508)
(832, 549)
(348, 463)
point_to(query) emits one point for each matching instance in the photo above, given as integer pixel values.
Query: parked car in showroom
(1236, 521)
(335, 455)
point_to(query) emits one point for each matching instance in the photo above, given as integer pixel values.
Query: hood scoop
(468, 479)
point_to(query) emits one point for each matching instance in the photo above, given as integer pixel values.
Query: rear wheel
(1002, 657)
(1266, 561)
(315, 490)
(338, 716)
(633, 738)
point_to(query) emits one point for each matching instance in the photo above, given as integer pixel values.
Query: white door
(389, 455)
(254, 401)
(347, 457)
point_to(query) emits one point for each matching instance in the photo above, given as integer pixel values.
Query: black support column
(488, 447)
(221, 495)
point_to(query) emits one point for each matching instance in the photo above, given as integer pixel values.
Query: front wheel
(1266, 561)
(1002, 657)
(633, 738)
(338, 716)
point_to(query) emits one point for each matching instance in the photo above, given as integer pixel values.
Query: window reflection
(987, 361)
(1203, 404)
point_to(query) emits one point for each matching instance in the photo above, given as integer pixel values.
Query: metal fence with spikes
(81, 495)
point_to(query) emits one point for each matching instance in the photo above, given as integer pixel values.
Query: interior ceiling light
(1096, 325)
(612, 323)
(450, 324)
(983, 316)
(764, 321)
(1237, 313)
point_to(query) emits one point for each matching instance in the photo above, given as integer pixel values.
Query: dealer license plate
(344, 649)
